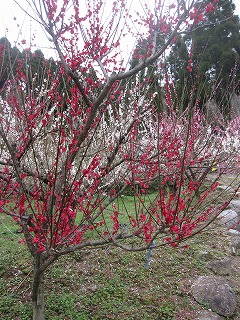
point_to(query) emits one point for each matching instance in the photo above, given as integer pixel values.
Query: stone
(204, 255)
(215, 293)
(220, 266)
(226, 188)
(208, 315)
(233, 232)
(235, 205)
(229, 218)
(235, 246)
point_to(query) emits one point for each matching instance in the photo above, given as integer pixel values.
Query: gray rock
(235, 246)
(220, 266)
(226, 188)
(208, 315)
(229, 218)
(233, 232)
(235, 205)
(216, 293)
(204, 255)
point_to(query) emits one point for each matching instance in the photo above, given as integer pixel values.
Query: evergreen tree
(152, 75)
(177, 66)
(214, 48)
(8, 60)
(37, 67)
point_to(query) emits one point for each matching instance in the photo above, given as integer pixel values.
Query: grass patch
(105, 283)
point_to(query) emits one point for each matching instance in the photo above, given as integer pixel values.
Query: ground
(109, 283)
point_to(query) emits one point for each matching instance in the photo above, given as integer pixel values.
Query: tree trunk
(38, 290)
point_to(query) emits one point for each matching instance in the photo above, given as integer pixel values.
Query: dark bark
(38, 289)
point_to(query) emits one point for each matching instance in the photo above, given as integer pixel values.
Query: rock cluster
(216, 294)
(214, 291)
(230, 218)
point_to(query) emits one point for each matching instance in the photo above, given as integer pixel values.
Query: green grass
(105, 283)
